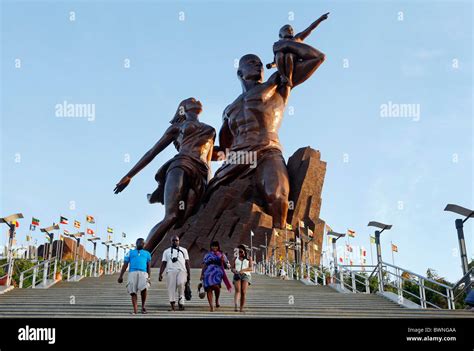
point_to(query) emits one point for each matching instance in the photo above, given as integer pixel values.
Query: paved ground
(268, 298)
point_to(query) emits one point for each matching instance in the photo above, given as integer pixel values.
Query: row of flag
(35, 222)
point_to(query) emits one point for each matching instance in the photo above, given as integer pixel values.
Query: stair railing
(39, 273)
(395, 277)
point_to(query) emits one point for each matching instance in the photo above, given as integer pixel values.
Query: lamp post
(10, 221)
(117, 247)
(335, 237)
(377, 237)
(50, 233)
(467, 213)
(107, 246)
(93, 240)
(379, 249)
(94, 243)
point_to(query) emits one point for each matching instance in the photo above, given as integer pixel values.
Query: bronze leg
(274, 184)
(174, 193)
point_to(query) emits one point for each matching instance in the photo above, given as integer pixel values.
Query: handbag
(187, 292)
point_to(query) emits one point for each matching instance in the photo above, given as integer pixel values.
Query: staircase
(267, 298)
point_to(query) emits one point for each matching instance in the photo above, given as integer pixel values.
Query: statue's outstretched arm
(165, 140)
(304, 34)
(160, 145)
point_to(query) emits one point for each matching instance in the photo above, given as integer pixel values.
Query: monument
(254, 190)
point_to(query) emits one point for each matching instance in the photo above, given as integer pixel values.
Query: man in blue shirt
(139, 274)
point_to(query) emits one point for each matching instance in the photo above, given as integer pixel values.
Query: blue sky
(400, 170)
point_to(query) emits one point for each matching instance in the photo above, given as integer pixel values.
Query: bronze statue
(290, 48)
(251, 124)
(181, 180)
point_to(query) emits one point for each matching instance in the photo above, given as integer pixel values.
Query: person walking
(213, 272)
(139, 275)
(242, 269)
(175, 263)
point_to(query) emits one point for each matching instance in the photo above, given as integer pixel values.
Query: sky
(132, 62)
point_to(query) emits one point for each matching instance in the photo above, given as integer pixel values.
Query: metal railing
(40, 273)
(464, 285)
(399, 278)
(425, 292)
(350, 278)
(7, 268)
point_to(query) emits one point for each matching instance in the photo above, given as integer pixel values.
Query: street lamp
(94, 243)
(377, 237)
(336, 237)
(9, 220)
(77, 236)
(379, 249)
(49, 232)
(460, 229)
(107, 245)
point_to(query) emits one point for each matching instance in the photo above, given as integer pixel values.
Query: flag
(28, 238)
(252, 233)
(363, 252)
(351, 233)
(90, 219)
(77, 224)
(394, 248)
(349, 248)
(15, 223)
(90, 231)
(372, 240)
(289, 226)
(301, 224)
(47, 237)
(124, 235)
(63, 220)
(328, 228)
(66, 232)
(310, 233)
(350, 262)
(275, 232)
(32, 227)
(340, 259)
(35, 221)
(109, 237)
(110, 230)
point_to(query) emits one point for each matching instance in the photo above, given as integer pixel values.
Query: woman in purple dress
(213, 272)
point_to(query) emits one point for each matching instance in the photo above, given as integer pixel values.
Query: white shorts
(137, 281)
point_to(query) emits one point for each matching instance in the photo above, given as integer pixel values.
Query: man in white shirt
(175, 264)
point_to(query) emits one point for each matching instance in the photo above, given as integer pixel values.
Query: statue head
(250, 68)
(286, 32)
(187, 105)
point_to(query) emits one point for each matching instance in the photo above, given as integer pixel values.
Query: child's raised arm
(304, 34)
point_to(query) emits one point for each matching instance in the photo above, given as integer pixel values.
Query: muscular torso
(196, 139)
(254, 118)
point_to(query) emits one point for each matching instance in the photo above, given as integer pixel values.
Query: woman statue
(183, 179)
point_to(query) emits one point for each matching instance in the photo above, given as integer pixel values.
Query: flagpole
(371, 254)
(393, 256)
(251, 245)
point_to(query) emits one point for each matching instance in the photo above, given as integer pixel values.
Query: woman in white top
(242, 269)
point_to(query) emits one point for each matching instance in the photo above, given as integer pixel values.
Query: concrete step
(268, 297)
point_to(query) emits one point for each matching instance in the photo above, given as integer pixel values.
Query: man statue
(251, 124)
